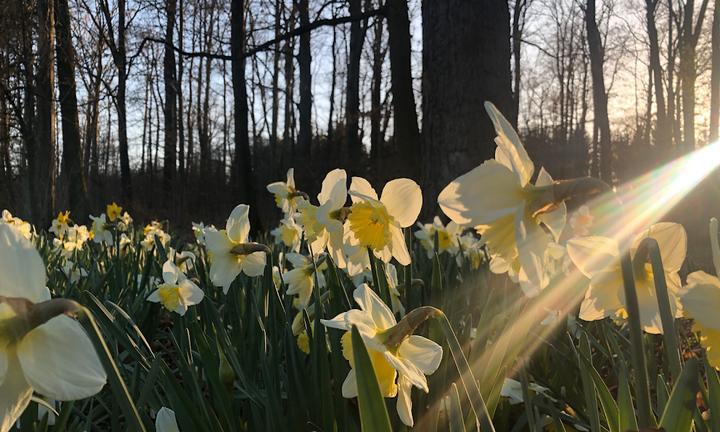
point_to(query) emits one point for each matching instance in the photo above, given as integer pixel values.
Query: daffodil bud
(27, 315)
(395, 335)
(248, 248)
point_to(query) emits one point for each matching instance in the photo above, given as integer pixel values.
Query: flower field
(541, 305)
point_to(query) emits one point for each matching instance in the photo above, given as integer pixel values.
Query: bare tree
(170, 111)
(715, 74)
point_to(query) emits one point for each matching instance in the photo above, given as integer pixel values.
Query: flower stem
(642, 390)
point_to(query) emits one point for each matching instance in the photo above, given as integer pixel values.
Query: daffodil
(230, 253)
(398, 367)
(472, 250)
(323, 224)
(701, 301)
(55, 358)
(377, 223)
(113, 211)
(392, 283)
(300, 280)
(499, 200)
(17, 224)
(60, 224)
(125, 222)
(598, 258)
(288, 233)
(165, 421)
(448, 236)
(177, 292)
(152, 230)
(286, 195)
(100, 232)
(73, 271)
(199, 231)
(74, 240)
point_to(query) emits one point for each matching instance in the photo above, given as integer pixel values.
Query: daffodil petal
(509, 141)
(296, 259)
(482, 195)
(223, 270)
(403, 200)
(371, 303)
(60, 362)
(170, 272)
(359, 185)
(593, 254)
(672, 242)
(238, 224)
(165, 421)
(334, 189)
(603, 297)
(349, 386)
(554, 220)
(407, 369)
(16, 253)
(422, 352)
(353, 317)
(531, 242)
(254, 264)
(15, 394)
(404, 401)
(701, 299)
(398, 246)
(190, 293)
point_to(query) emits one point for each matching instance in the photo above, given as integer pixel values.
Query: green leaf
(713, 397)
(373, 412)
(454, 409)
(678, 415)
(626, 410)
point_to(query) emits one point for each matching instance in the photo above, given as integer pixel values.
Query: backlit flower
(498, 199)
(288, 233)
(701, 301)
(377, 223)
(447, 236)
(300, 280)
(598, 258)
(24, 228)
(165, 421)
(55, 359)
(100, 232)
(113, 211)
(60, 224)
(399, 367)
(285, 193)
(177, 292)
(228, 253)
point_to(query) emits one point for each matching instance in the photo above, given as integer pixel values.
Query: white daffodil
(125, 222)
(512, 389)
(73, 272)
(300, 280)
(448, 237)
(498, 199)
(377, 223)
(165, 421)
(397, 368)
(472, 250)
(392, 282)
(55, 359)
(227, 250)
(700, 300)
(177, 292)
(100, 232)
(288, 233)
(16, 223)
(285, 193)
(598, 258)
(323, 224)
(199, 231)
(184, 260)
(74, 240)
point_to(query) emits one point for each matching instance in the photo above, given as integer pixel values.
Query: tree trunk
(305, 107)
(241, 177)
(181, 104)
(72, 172)
(171, 88)
(41, 160)
(462, 42)
(663, 138)
(600, 112)
(406, 133)
(517, 31)
(688, 73)
(275, 109)
(353, 143)
(376, 138)
(715, 75)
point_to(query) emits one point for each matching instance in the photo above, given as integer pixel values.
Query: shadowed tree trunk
(241, 177)
(353, 143)
(462, 42)
(690, 33)
(72, 176)
(663, 138)
(406, 133)
(171, 88)
(715, 75)
(41, 160)
(304, 142)
(601, 121)
(378, 52)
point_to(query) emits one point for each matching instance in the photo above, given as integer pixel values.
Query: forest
(139, 100)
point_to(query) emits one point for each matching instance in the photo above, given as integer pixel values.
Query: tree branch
(324, 22)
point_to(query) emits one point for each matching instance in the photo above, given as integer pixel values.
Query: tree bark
(690, 33)
(41, 160)
(353, 143)
(171, 89)
(241, 177)
(406, 132)
(715, 75)
(663, 138)
(304, 143)
(72, 171)
(376, 139)
(600, 112)
(462, 42)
